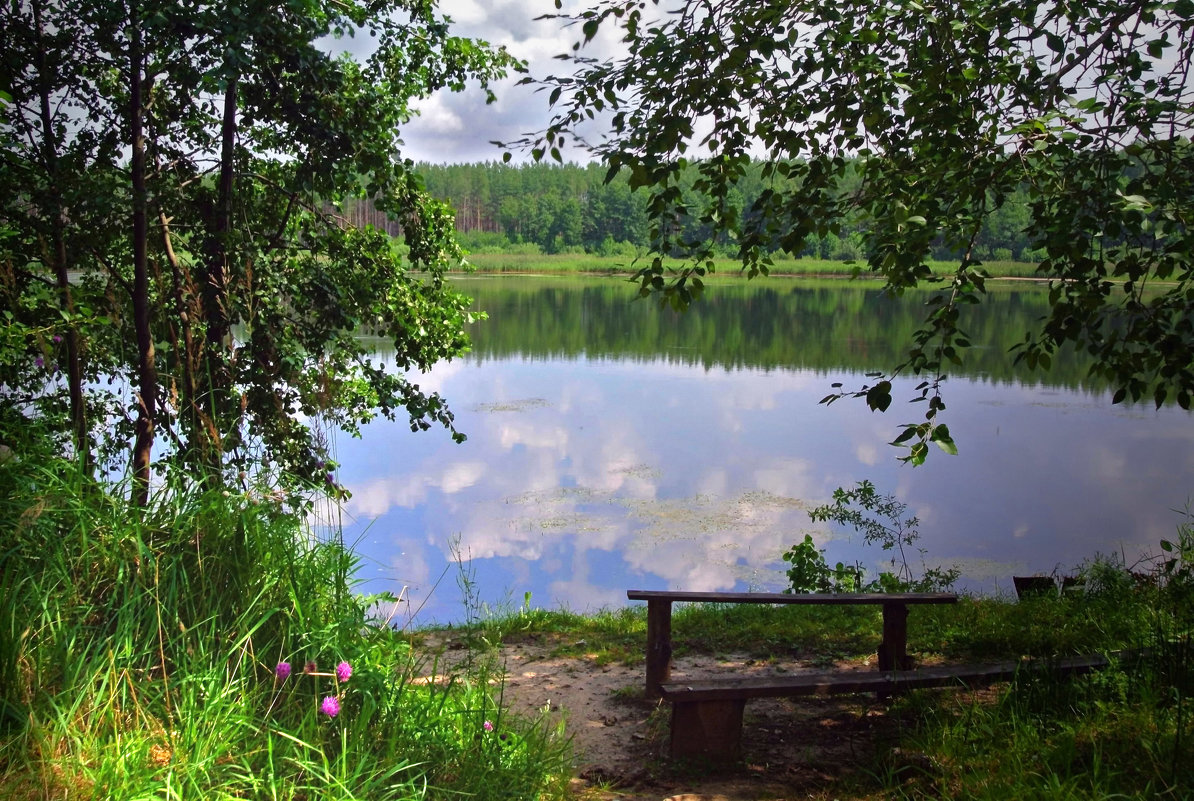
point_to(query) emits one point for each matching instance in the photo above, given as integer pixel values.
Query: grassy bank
(209, 647)
(1126, 732)
(142, 655)
(580, 263)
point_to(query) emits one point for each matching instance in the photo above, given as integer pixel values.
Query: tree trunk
(60, 256)
(187, 354)
(213, 404)
(146, 368)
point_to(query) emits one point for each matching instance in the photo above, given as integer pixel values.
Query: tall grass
(139, 654)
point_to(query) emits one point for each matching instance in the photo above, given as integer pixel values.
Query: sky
(457, 128)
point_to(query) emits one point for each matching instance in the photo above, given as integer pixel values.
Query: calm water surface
(612, 445)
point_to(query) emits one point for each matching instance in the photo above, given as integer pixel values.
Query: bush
(477, 241)
(880, 519)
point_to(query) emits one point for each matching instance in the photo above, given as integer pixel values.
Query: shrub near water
(142, 654)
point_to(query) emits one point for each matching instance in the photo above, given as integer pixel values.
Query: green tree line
(827, 326)
(560, 208)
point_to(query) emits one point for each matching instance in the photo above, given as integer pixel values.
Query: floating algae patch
(644, 471)
(521, 405)
(708, 542)
(554, 496)
(680, 518)
(704, 541)
(575, 522)
(761, 499)
(554, 510)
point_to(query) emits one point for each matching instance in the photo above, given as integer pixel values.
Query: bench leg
(893, 651)
(659, 645)
(709, 729)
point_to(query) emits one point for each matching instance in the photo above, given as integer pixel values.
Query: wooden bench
(707, 714)
(893, 650)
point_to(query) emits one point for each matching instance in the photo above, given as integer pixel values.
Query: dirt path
(792, 749)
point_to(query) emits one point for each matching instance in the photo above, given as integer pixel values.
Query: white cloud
(435, 117)
(461, 475)
(531, 435)
(374, 498)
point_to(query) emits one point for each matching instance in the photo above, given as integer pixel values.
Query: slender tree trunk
(60, 256)
(146, 367)
(184, 309)
(217, 288)
(208, 446)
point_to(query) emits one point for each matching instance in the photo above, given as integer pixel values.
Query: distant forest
(548, 208)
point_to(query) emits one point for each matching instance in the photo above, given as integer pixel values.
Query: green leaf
(941, 436)
(878, 397)
(919, 452)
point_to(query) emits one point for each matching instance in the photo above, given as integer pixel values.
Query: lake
(614, 445)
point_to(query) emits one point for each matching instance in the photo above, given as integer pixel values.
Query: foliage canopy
(172, 185)
(945, 110)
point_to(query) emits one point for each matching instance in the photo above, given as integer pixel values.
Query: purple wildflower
(331, 479)
(487, 726)
(40, 362)
(343, 671)
(57, 338)
(330, 706)
(282, 671)
(310, 667)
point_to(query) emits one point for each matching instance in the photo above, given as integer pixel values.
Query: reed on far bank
(529, 259)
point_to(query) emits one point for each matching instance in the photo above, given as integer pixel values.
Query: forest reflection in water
(613, 445)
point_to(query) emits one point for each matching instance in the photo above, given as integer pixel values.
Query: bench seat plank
(707, 713)
(858, 681)
(837, 599)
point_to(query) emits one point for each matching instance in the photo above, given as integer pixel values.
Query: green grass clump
(139, 653)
